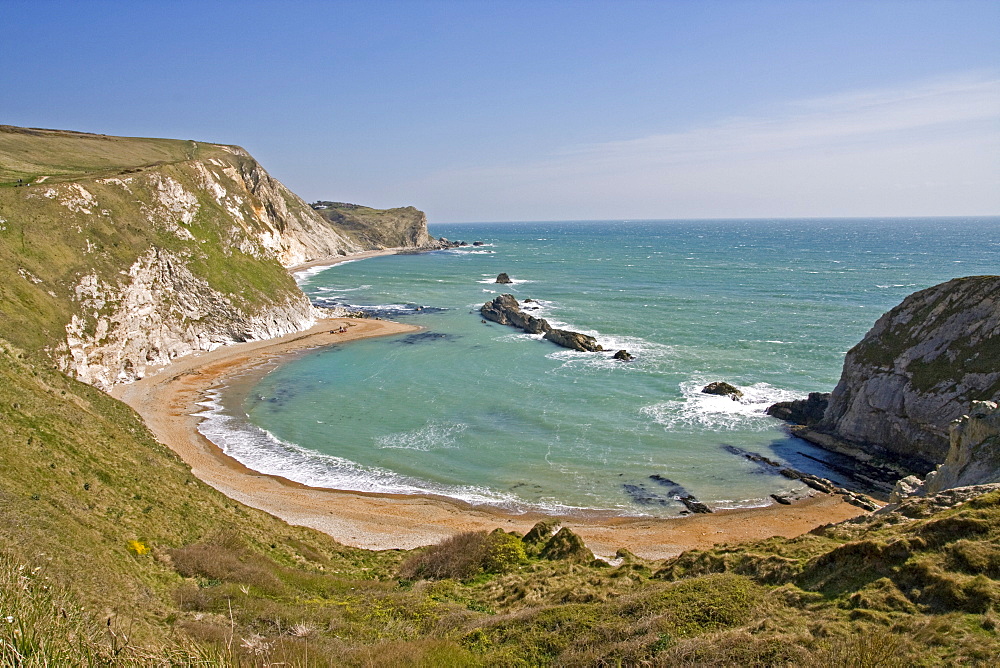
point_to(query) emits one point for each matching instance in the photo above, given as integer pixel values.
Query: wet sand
(167, 399)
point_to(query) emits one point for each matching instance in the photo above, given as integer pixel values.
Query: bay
(484, 413)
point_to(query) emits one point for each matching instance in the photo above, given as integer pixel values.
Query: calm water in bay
(484, 413)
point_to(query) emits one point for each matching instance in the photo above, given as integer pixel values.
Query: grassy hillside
(29, 154)
(116, 524)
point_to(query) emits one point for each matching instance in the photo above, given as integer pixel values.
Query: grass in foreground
(116, 555)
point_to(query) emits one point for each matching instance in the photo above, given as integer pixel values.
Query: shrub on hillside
(464, 556)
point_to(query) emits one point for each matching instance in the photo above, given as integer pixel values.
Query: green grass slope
(29, 154)
(114, 552)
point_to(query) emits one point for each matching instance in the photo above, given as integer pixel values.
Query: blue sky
(492, 110)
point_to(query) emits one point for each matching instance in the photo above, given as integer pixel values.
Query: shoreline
(167, 400)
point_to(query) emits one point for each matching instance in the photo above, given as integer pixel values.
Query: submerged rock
(623, 355)
(723, 389)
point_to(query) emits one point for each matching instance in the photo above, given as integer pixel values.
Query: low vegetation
(116, 555)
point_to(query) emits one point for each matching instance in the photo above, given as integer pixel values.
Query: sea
(489, 415)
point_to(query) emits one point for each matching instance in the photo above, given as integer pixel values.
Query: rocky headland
(907, 386)
(122, 254)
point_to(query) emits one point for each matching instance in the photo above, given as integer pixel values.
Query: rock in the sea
(623, 355)
(573, 340)
(506, 311)
(919, 368)
(503, 279)
(724, 389)
(478, 243)
(802, 411)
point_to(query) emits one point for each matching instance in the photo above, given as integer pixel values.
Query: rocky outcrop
(917, 370)
(573, 340)
(503, 279)
(505, 310)
(973, 455)
(723, 389)
(623, 356)
(808, 412)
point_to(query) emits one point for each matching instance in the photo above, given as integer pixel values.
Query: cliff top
(35, 155)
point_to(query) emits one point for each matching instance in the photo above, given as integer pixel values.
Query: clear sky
(479, 110)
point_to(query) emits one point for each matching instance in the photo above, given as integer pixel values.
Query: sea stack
(503, 279)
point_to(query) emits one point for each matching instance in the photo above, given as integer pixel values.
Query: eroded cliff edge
(916, 371)
(118, 254)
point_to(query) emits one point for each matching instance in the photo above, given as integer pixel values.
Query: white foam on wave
(262, 451)
(698, 410)
(432, 436)
(513, 281)
(304, 275)
(648, 355)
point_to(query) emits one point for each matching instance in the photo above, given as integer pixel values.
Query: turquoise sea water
(485, 413)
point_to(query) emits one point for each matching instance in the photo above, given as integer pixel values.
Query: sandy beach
(168, 399)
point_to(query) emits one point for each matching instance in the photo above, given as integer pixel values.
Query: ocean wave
(698, 410)
(377, 310)
(648, 355)
(326, 289)
(432, 436)
(262, 451)
(306, 274)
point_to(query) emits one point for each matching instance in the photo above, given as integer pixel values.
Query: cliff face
(117, 254)
(918, 369)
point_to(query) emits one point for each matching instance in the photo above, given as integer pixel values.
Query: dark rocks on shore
(821, 485)
(723, 389)
(623, 355)
(503, 279)
(808, 412)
